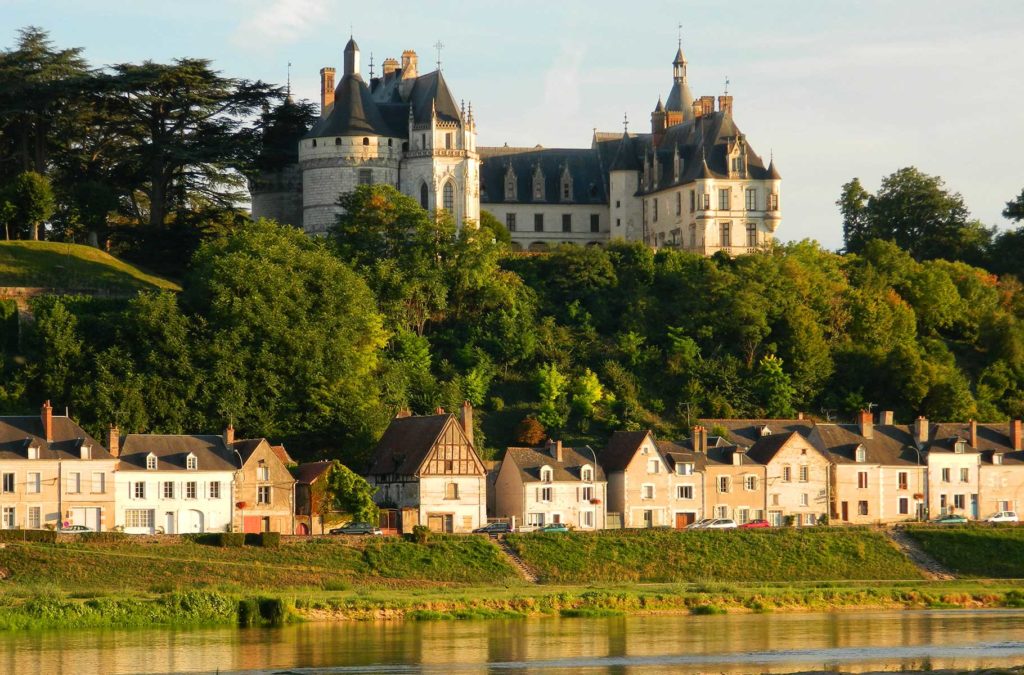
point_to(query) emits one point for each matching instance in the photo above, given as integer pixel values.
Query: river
(748, 643)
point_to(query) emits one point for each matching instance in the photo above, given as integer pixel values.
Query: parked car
(753, 524)
(1003, 517)
(358, 528)
(721, 524)
(76, 529)
(700, 524)
(494, 528)
(950, 519)
(554, 527)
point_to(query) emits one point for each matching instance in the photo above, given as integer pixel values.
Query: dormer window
(538, 185)
(510, 184)
(151, 462)
(191, 462)
(861, 454)
(85, 452)
(765, 431)
(684, 468)
(587, 474)
(959, 447)
(33, 452)
(566, 188)
(997, 458)
(546, 474)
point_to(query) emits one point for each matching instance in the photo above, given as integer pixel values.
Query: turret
(352, 58)
(658, 123)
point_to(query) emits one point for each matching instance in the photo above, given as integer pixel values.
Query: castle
(694, 182)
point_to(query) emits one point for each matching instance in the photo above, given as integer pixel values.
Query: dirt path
(929, 566)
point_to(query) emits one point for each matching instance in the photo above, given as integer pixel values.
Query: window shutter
(538, 494)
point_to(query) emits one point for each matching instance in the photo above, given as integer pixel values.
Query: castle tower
(679, 106)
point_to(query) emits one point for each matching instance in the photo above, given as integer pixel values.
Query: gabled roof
(172, 450)
(747, 432)
(311, 471)
(529, 462)
(18, 432)
(766, 447)
(621, 448)
(282, 455)
(407, 442)
(583, 165)
(889, 445)
(354, 113)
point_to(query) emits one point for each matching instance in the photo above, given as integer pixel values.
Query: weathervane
(625, 122)
(726, 85)
(680, 31)
(439, 46)
(371, 65)
(288, 89)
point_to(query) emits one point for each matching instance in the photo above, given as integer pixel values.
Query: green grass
(977, 551)
(668, 556)
(53, 264)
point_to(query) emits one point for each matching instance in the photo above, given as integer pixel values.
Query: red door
(252, 524)
(684, 519)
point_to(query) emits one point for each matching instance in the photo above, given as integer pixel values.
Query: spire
(660, 108)
(773, 173)
(352, 58)
(680, 99)
(288, 89)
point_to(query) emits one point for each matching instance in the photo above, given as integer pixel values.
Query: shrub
(231, 539)
(248, 611)
(421, 534)
(273, 611)
(12, 535)
(103, 537)
(270, 539)
(41, 536)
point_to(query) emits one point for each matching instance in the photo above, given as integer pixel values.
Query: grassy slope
(975, 551)
(71, 266)
(666, 556)
(107, 568)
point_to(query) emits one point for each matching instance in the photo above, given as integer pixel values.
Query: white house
(174, 484)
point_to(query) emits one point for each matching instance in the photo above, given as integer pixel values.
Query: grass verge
(58, 265)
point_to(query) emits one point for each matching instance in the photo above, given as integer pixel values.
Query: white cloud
(278, 22)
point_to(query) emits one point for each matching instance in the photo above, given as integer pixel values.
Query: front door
(252, 524)
(169, 522)
(846, 511)
(684, 519)
(974, 506)
(648, 518)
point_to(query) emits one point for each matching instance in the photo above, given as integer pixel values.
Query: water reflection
(730, 644)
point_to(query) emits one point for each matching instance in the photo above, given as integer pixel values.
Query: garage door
(88, 516)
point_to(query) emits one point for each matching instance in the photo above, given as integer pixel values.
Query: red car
(751, 524)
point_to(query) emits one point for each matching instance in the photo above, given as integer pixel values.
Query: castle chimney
(698, 109)
(864, 421)
(885, 417)
(46, 415)
(326, 90)
(725, 104)
(974, 434)
(700, 439)
(114, 440)
(229, 435)
(707, 104)
(467, 420)
(921, 430)
(1015, 434)
(409, 63)
(390, 66)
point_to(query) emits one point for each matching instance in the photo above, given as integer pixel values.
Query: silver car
(721, 524)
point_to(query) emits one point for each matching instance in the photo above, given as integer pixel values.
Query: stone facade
(267, 489)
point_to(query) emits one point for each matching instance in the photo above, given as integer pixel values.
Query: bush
(41, 536)
(12, 535)
(231, 539)
(270, 539)
(248, 612)
(421, 534)
(103, 537)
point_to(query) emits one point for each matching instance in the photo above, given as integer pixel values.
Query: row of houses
(785, 471)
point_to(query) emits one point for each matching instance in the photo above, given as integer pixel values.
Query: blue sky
(834, 89)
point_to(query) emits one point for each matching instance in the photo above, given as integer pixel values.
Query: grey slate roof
(18, 432)
(889, 445)
(354, 112)
(626, 158)
(406, 443)
(680, 99)
(588, 180)
(530, 460)
(172, 450)
(747, 432)
(431, 92)
(621, 448)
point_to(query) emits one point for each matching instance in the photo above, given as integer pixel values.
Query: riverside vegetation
(114, 581)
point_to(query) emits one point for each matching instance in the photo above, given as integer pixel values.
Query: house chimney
(46, 415)
(438, 410)
(700, 439)
(885, 417)
(326, 90)
(737, 456)
(921, 430)
(403, 412)
(114, 440)
(1015, 434)
(467, 420)
(725, 104)
(555, 448)
(229, 435)
(799, 415)
(864, 421)
(974, 434)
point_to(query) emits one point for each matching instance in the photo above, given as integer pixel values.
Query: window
(965, 475)
(723, 483)
(647, 491)
(724, 199)
(724, 239)
(679, 203)
(337, 141)
(313, 144)
(959, 501)
(448, 141)
(448, 197)
(862, 480)
(959, 447)
(587, 474)
(366, 141)
(191, 491)
(705, 200)
(810, 519)
(736, 164)
(510, 222)
(263, 494)
(693, 201)
(595, 222)
(787, 474)
(215, 490)
(862, 508)
(191, 463)
(997, 458)
(742, 515)
(654, 208)
(684, 468)
(538, 186)
(9, 518)
(566, 190)
(946, 478)
(904, 506)
(751, 200)
(423, 141)
(390, 142)
(684, 492)
(653, 466)
(942, 502)
(33, 484)
(751, 235)
(74, 483)
(449, 466)
(99, 482)
(263, 472)
(34, 521)
(168, 490)
(424, 196)
(587, 493)
(151, 462)
(451, 491)
(545, 494)
(366, 176)
(693, 235)
(721, 512)
(8, 484)
(803, 499)
(750, 483)
(566, 222)
(805, 473)
(85, 452)
(588, 518)
(773, 202)
(139, 490)
(535, 519)
(902, 480)
(33, 452)
(775, 499)
(138, 518)
(538, 222)
(546, 474)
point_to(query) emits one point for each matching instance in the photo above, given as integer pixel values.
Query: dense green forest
(317, 342)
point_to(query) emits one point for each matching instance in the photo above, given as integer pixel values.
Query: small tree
(552, 385)
(530, 432)
(32, 200)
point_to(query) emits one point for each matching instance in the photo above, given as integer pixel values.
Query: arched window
(861, 454)
(366, 141)
(390, 142)
(587, 474)
(449, 197)
(337, 141)
(314, 143)
(424, 195)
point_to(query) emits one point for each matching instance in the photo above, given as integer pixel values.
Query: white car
(700, 524)
(721, 524)
(1003, 517)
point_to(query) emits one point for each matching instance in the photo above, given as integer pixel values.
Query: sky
(832, 89)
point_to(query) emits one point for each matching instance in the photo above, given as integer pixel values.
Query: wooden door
(684, 519)
(846, 511)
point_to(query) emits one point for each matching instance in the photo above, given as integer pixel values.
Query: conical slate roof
(431, 93)
(680, 99)
(354, 112)
(773, 173)
(625, 157)
(660, 108)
